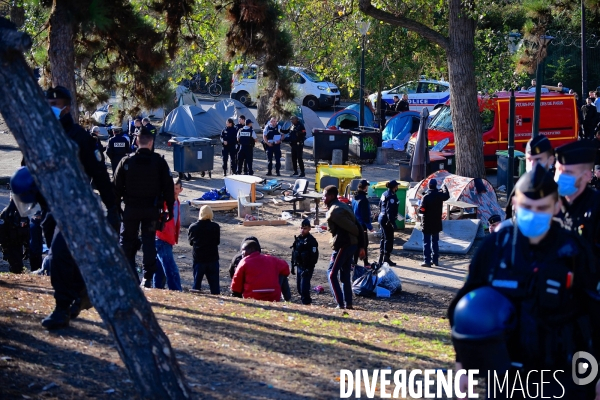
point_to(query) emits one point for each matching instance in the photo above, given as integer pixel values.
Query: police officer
(143, 181)
(539, 267)
(388, 212)
(69, 288)
(117, 147)
(14, 236)
(246, 137)
(272, 139)
(240, 125)
(229, 141)
(297, 137)
(595, 182)
(151, 128)
(538, 151)
(305, 254)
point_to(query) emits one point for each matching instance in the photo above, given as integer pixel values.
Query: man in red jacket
(257, 275)
(166, 268)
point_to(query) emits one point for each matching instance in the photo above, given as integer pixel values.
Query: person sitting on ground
(235, 261)
(257, 276)
(205, 236)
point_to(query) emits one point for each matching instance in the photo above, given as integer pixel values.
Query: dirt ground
(82, 361)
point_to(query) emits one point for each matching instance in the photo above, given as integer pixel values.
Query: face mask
(57, 111)
(529, 166)
(566, 184)
(533, 224)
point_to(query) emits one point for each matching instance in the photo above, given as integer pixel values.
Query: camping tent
(348, 118)
(401, 125)
(475, 191)
(192, 121)
(184, 96)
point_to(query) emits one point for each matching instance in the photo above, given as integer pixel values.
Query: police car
(424, 93)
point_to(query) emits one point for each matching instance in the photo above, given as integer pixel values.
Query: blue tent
(348, 118)
(401, 125)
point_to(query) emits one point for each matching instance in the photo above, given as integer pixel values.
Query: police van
(558, 121)
(311, 91)
(424, 93)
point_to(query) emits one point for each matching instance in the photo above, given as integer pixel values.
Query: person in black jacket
(362, 212)
(305, 254)
(403, 105)
(229, 141)
(388, 213)
(590, 115)
(143, 180)
(205, 236)
(431, 208)
(297, 137)
(118, 147)
(69, 288)
(14, 236)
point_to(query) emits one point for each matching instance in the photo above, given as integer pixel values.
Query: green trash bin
(403, 187)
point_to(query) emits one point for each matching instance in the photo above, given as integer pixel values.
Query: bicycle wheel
(215, 90)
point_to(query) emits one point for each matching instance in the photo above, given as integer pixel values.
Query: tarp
(184, 96)
(192, 121)
(479, 192)
(348, 118)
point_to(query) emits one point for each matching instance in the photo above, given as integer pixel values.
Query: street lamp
(584, 87)
(539, 74)
(514, 43)
(363, 28)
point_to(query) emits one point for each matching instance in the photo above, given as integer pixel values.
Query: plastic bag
(388, 279)
(359, 271)
(365, 285)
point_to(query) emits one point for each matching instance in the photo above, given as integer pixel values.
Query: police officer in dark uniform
(229, 141)
(143, 181)
(388, 213)
(272, 141)
(538, 151)
(240, 125)
(117, 147)
(540, 268)
(595, 182)
(69, 288)
(297, 136)
(305, 254)
(14, 236)
(246, 137)
(151, 128)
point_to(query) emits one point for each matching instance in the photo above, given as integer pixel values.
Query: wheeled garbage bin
(192, 155)
(502, 176)
(403, 187)
(365, 143)
(327, 140)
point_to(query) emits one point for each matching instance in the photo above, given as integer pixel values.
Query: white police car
(424, 93)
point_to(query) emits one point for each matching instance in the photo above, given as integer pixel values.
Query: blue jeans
(340, 263)
(166, 268)
(211, 270)
(303, 277)
(431, 242)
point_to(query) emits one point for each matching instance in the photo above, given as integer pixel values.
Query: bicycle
(199, 85)
(215, 89)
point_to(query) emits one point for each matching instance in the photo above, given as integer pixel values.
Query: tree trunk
(463, 92)
(113, 289)
(61, 50)
(266, 91)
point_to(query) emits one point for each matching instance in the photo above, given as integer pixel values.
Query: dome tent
(479, 192)
(348, 118)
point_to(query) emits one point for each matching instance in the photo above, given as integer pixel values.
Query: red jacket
(170, 232)
(257, 277)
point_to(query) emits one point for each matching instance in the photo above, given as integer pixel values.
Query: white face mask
(529, 166)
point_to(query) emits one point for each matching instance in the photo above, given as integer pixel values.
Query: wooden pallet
(216, 205)
(274, 222)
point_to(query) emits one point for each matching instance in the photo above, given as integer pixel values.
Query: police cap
(538, 145)
(433, 183)
(58, 92)
(537, 184)
(363, 184)
(305, 222)
(494, 218)
(248, 121)
(581, 152)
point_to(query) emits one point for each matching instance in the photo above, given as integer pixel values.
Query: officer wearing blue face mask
(540, 268)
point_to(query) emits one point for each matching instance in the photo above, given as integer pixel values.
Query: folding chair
(300, 187)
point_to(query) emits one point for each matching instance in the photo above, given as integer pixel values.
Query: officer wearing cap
(362, 212)
(117, 147)
(143, 181)
(272, 141)
(493, 222)
(69, 289)
(538, 151)
(297, 136)
(246, 137)
(388, 213)
(305, 254)
(539, 267)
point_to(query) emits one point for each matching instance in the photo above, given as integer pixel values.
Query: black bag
(366, 284)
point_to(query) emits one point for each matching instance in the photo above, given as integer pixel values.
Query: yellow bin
(345, 174)
(403, 187)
